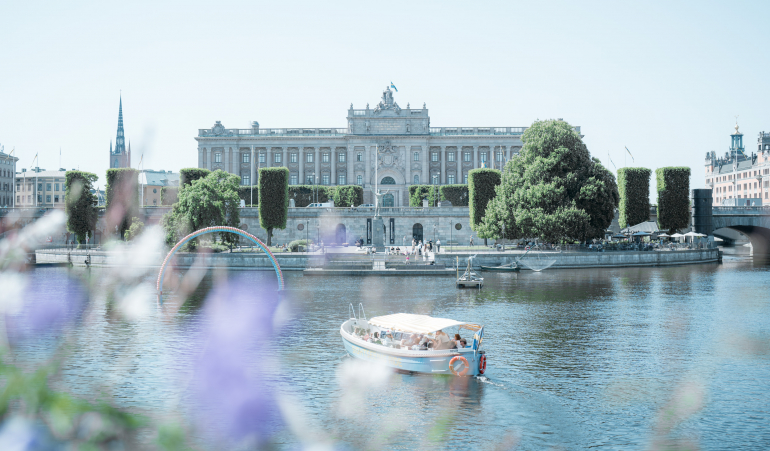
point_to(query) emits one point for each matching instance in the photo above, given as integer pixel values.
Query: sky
(665, 79)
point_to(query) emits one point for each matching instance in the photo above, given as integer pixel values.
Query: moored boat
(510, 267)
(388, 340)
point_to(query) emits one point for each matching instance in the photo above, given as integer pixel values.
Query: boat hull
(499, 268)
(430, 362)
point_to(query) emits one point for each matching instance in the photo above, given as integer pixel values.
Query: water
(630, 358)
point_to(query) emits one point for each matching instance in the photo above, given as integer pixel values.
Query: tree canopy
(122, 198)
(80, 203)
(481, 189)
(552, 189)
(673, 186)
(634, 190)
(206, 202)
(273, 199)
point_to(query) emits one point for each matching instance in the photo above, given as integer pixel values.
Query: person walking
(471, 240)
(438, 245)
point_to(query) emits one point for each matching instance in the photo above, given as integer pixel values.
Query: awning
(420, 324)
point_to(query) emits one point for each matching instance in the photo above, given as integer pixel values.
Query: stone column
(268, 157)
(208, 159)
(333, 159)
(349, 161)
(442, 155)
(367, 167)
(317, 161)
(475, 157)
(252, 172)
(285, 158)
(425, 165)
(301, 156)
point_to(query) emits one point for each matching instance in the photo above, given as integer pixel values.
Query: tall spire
(120, 141)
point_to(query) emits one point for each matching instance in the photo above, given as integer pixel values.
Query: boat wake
(487, 380)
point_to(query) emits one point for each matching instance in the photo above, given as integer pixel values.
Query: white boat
(469, 278)
(361, 338)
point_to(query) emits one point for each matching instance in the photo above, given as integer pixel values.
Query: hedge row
(419, 192)
(187, 175)
(634, 189)
(481, 189)
(343, 196)
(456, 194)
(673, 198)
(247, 193)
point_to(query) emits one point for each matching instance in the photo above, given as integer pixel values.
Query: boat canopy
(420, 324)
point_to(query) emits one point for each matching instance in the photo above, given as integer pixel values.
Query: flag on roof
(393, 86)
(629, 152)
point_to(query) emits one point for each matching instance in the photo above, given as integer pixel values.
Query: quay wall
(300, 261)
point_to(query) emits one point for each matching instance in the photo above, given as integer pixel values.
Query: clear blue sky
(663, 78)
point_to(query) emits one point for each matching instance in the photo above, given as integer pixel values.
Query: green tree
(207, 202)
(80, 203)
(348, 195)
(419, 192)
(273, 199)
(673, 198)
(187, 175)
(634, 190)
(136, 229)
(121, 198)
(303, 195)
(481, 189)
(552, 190)
(169, 195)
(457, 195)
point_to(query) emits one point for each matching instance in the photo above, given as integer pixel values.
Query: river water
(630, 358)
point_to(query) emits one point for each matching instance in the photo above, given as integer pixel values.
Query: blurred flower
(47, 306)
(231, 382)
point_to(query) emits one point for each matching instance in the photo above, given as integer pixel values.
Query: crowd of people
(436, 341)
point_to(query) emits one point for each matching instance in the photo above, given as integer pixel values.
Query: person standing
(438, 245)
(471, 240)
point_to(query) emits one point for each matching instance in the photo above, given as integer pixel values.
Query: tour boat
(469, 278)
(468, 361)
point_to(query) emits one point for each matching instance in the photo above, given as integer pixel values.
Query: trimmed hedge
(169, 195)
(456, 194)
(481, 189)
(294, 245)
(634, 190)
(303, 194)
(419, 192)
(121, 192)
(673, 198)
(273, 199)
(187, 175)
(79, 203)
(348, 195)
(244, 192)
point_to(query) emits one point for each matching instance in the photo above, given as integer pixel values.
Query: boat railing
(361, 312)
(352, 311)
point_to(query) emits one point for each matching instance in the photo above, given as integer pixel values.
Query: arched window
(416, 179)
(388, 181)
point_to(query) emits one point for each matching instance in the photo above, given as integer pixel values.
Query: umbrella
(619, 235)
(691, 234)
(700, 234)
(664, 235)
(677, 235)
(641, 234)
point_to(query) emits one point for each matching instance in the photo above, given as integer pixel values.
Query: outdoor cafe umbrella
(663, 235)
(641, 234)
(677, 235)
(619, 235)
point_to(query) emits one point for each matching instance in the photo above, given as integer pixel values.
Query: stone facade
(393, 146)
(739, 175)
(7, 173)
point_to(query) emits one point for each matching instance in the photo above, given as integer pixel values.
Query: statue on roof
(387, 102)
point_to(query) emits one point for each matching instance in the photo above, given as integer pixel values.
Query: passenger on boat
(388, 340)
(441, 341)
(462, 344)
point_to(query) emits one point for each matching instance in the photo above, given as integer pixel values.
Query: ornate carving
(218, 128)
(387, 102)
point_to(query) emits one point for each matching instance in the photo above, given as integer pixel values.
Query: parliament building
(400, 141)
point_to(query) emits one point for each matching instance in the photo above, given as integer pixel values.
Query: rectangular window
(278, 157)
(416, 180)
(325, 158)
(467, 156)
(56, 187)
(435, 179)
(451, 179)
(450, 156)
(29, 199)
(342, 157)
(40, 198)
(293, 158)
(359, 180)
(245, 180)
(341, 179)
(217, 157)
(56, 198)
(293, 179)
(309, 158)
(465, 179)
(262, 158)
(48, 187)
(245, 158)
(17, 200)
(434, 156)
(499, 156)
(359, 156)
(309, 180)
(40, 187)
(416, 156)
(18, 187)
(325, 179)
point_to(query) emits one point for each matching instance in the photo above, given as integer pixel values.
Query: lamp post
(307, 235)
(435, 187)
(451, 226)
(435, 226)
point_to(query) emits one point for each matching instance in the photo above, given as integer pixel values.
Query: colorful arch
(219, 229)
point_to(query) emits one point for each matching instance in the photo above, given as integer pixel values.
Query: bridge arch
(754, 222)
(219, 229)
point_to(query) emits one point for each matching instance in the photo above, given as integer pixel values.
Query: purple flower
(51, 301)
(232, 384)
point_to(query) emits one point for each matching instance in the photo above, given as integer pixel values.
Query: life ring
(482, 363)
(452, 368)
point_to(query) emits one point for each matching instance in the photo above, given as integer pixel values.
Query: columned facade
(398, 142)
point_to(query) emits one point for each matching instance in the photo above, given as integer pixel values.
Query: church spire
(120, 141)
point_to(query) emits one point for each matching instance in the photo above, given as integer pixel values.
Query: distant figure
(438, 245)
(471, 240)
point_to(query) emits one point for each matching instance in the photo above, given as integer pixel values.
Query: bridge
(754, 222)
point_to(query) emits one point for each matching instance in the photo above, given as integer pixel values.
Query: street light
(434, 231)
(307, 235)
(451, 226)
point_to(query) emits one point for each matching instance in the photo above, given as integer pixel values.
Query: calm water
(608, 359)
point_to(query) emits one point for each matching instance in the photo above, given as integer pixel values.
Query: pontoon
(370, 340)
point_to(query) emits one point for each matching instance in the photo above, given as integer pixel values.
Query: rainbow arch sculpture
(219, 229)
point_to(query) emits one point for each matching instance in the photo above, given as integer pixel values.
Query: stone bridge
(754, 222)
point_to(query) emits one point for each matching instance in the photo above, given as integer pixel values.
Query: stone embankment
(302, 261)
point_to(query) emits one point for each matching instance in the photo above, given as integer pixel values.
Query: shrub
(481, 189)
(673, 186)
(121, 197)
(169, 195)
(246, 193)
(419, 192)
(347, 195)
(136, 229)
(456, 194)
(79, 203)
(294, 245)
(187, 175)
(273, 199)
(303, 194)
(634, 190)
